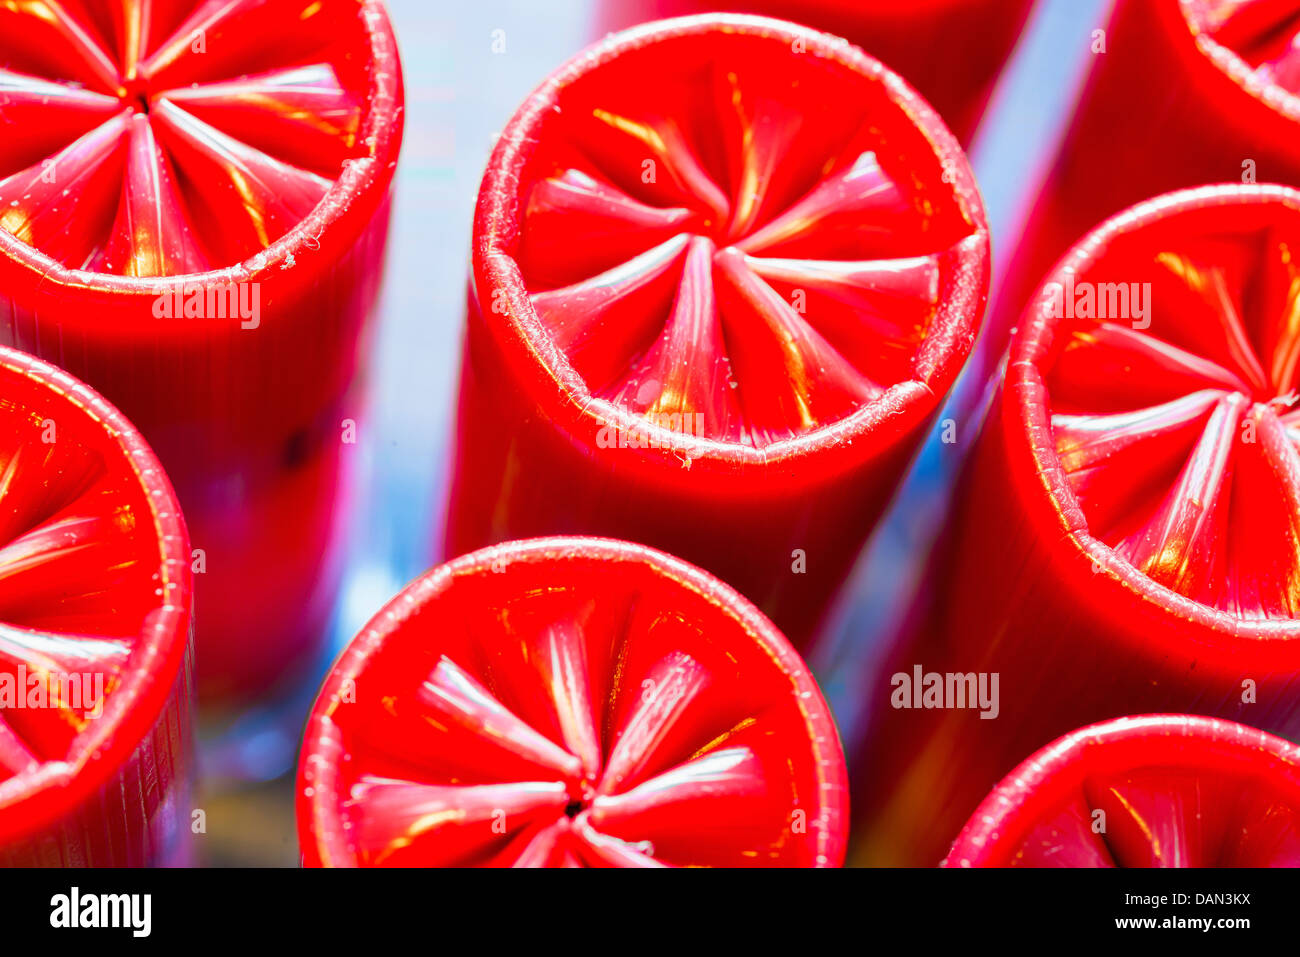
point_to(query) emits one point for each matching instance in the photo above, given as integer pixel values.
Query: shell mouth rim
(133, 709)
(559, 387)
(1234, 67)
(320, 827)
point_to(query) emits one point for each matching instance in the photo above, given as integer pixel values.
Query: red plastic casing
(1123, 538)
(539, 441)
(289, 197)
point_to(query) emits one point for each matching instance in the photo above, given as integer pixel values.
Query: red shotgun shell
(1162, 790)
(95, 742)
(951, 51)
(571, 702)
(1127, 535)
(1186, 92)
(193, 209)
(716, 312)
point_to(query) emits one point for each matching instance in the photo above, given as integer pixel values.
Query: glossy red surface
(950, 51)
(95, 620)
(243, 146)
(1125, 538)
(1149, 791)
(567, 703)
(1187, 92)
(715, 313)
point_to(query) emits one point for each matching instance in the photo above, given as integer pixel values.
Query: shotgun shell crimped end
(94, 632)
(571, 702)
(1148, 791)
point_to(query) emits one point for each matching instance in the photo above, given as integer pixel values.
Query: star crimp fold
(735, 241)
(1185, 464)
(570, 703)
(149, 139)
